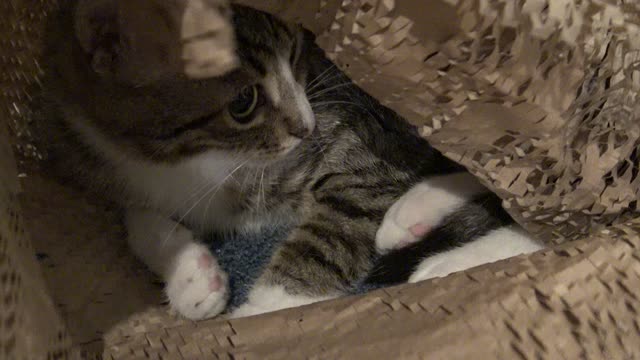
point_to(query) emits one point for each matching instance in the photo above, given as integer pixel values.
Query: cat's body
(184, 157)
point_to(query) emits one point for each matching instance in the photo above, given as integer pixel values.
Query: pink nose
(299, 128)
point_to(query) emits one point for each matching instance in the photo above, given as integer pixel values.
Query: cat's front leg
(423, 207)
(195, 284)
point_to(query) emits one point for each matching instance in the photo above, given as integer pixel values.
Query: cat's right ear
(97, 31)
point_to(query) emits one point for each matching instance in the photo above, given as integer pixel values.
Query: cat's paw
(197, 286)
(422, 208)
(208, 40)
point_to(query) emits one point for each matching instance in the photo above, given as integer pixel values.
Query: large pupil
(244, 104)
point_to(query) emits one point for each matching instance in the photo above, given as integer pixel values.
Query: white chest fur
(195, 191)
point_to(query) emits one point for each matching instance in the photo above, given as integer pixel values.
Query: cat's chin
(290, 144)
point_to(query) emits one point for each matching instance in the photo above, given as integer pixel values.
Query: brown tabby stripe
(310, 251)
(280, 271)
(192, 125)
(337, 184)
(301, 273)
(350, 208)
(331, 235)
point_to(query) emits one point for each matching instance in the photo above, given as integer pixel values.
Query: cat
(285, 138)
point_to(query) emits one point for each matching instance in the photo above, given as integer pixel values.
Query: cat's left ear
(130, 41)
(140, 41)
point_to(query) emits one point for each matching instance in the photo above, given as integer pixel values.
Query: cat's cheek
(197, 286)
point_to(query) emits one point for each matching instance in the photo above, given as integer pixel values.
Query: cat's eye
(244, 105)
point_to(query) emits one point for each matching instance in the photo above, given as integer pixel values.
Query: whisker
(332, 77)
(327, 76)
(211, 198)
(338, 102)
(264, 199)
(318, 78)
(205, 184)
(213, 189)
(310, 97)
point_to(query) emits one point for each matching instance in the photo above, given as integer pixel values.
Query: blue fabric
(243, 256)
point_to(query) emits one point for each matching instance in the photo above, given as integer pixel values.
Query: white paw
(264, 298)
(208, 40)
(197, 286)
(423, 207)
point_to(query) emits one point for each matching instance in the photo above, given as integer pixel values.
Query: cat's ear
(130, 41)
(97, 31)
(140, 41)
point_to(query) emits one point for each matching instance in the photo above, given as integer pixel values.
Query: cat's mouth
(290, 144)
(278, 154)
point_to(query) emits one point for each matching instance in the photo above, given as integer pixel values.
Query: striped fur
(167, 151)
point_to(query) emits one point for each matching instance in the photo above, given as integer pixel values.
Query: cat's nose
(299, 128)
(300, 131)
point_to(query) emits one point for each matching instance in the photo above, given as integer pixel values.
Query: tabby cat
(285, 138)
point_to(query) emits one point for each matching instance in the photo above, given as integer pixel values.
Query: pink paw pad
(419, 230)
(215, 283)
(205, 261)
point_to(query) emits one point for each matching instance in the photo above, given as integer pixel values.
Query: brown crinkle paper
(538, 98)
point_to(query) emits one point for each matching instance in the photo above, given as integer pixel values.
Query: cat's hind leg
(304, 270)
(423, 207)
(195, 284)
(498, 244)
(320, 260)
(264, 298)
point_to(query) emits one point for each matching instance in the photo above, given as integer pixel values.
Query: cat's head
(258, 111)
